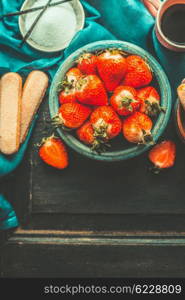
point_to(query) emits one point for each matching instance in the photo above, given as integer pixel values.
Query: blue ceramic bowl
(121, 149)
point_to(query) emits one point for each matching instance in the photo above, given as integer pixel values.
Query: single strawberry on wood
(163, 155)
(54, 153)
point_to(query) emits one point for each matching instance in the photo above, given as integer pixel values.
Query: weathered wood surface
(92, 258)
(95, 219)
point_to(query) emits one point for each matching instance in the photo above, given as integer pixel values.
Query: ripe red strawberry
(72, 115)
(124, 100)
(135, 62)
(137, 128)
(93, 136)
(163, 155)
(138, 78)
(67, 95)
(53, 152)
(73, 75)
(150, 100)
(67, 89)
(86, 133)
(90, 90)
(87, 63)
(106, 122)
(111, 67)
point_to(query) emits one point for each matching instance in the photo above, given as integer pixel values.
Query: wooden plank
(109, 222)
(37, 259)
(22, 233)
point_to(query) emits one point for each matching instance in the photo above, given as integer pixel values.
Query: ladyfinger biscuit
(33, 92)
(10, 112)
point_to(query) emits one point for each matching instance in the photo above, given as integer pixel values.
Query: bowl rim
(160, 124)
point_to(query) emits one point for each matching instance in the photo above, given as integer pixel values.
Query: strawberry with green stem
(90, 90)
(150, 101)
(71, 115)
(105, 122)
(86, 63)
(137, 128)
(67, 90)
(96, 138)
(124, 100)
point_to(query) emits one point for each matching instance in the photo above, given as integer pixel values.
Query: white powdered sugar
(57, 25)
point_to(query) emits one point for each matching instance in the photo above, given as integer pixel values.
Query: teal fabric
(8, 218)
(126, 20)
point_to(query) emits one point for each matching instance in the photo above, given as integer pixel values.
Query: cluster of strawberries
(106, 93)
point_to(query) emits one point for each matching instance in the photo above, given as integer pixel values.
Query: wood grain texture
(69, 260)
(95, 187)
(90, 195)
(95, 220)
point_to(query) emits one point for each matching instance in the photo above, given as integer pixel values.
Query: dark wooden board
(51, 258)
(91, 191)
(95, 219)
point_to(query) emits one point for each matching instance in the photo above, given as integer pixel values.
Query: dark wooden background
(95, 219)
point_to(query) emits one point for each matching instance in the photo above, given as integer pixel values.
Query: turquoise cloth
(126, 20)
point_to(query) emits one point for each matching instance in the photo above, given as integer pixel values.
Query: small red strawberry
(86, 133)
(67, 91)
(105, 122)
(137, 128)
(67, 95)
(73, 75)
(124, 100)
(90, 90)
(71, 115)
(93, 136)
(111, 67)
(139, 78)
(87, 63)
(135, 62)
(138, 72)
(150, 100)
(163, 155)
(54, 153)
